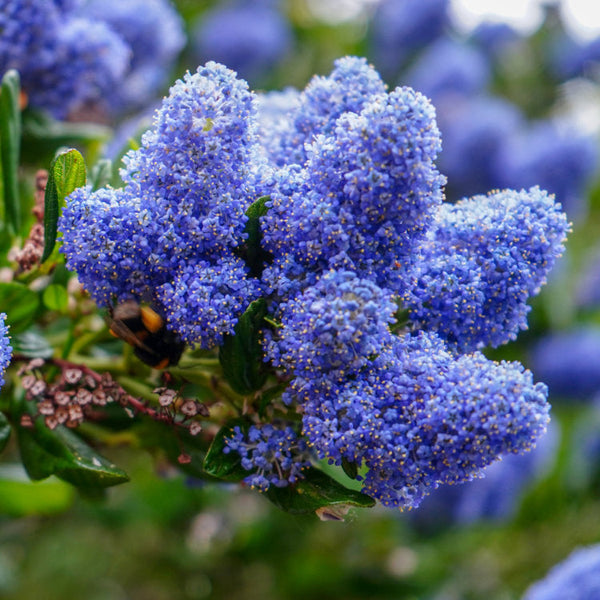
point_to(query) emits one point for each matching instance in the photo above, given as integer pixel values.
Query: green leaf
(61, 452)
(66, 174)
(31, 344)
(4, 431)
(254, 255)
(10, 146)
(43, 132)
(20, 304)
(350, 468)
(241, 353)
(101, 174)
(226, 466)
(174, 443)
(319, 493)
(55, 297)
(21, 497)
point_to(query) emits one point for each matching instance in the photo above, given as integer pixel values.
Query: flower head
(419, 417)
(482, 260)
(170, 235)
(5, 349)
(353, 229)
(275, 455)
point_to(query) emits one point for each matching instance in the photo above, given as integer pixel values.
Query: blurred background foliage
(515, 110)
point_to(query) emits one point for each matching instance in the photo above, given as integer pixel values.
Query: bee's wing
(120, 330)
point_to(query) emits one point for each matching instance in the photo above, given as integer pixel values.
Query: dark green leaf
(101, 174)
(254, 254)
(350, 468)
(85, 467)
(174, 443)
(10, 145)
(61, 452)
(226, 466)
(21, 497)
(4, 431)
(55, 297)
(20, 304)
(317, 492)
(66, 174)
(241, 353)
(31, 344)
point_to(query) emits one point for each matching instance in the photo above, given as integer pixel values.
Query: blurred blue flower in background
(475, 131)
(154, 33)
(78, 56)
(554, 156)
(402, 27)
(449, 67)
(252, 37)
(569, 363)
(575, 578)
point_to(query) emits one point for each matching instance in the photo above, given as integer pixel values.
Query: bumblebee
(145, 330)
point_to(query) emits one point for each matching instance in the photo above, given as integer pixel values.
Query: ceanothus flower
(418, 416)
(368, 187)
(337, 324)
(5, 348)
(354, 236)
(171, 234)
(275, 455)
(347, 89)
(575, 578)
(481, 260)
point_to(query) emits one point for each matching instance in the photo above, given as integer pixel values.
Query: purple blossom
(5, 348)
(575, 578)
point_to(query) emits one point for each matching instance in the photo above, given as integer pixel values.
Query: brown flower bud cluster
(77, 393)
(181, 411)
(31, 253)
(71, 397)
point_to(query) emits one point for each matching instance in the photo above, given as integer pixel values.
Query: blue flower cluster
(81, 54)
(365, 186)
(496, 495)
(355, 232)
(417, 416)
(5, 349)
(481, 260)
(489, 141)
(577, 577)
(274, 454)
(170, 236)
